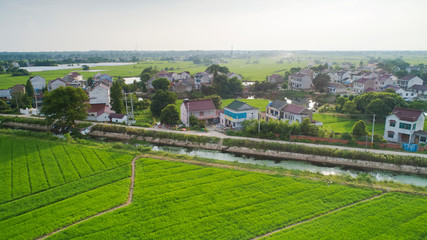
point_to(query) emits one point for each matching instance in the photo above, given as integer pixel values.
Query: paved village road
(213, 133)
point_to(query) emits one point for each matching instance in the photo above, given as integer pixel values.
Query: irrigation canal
(296, 165)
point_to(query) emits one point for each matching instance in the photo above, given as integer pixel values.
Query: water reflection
(296, 165)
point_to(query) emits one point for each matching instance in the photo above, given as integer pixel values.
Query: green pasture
(342, 123)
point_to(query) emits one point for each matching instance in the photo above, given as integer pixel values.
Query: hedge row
(24, 120)
(330, 152)
(155, 134)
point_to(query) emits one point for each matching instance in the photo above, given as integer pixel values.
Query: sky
(81, 25)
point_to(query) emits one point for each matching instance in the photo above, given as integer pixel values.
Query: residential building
(361, 84)
(300, 81)
(408, 81)
(280, 110)
(344, 76)
(73, 76)
(420, 90)
(337, 88)
(17, 88)
(384, 80)
(117, 118)
(100, 94)
(38, 83)
(99, 112)
(99, 77)
(232, 75)
(54, 84)
(407, 95)
(276, 78)
(5, 94)
(411, 68)
(237, 112)
(202, 78)
(401, 125)
(183, 86)
(203, 109)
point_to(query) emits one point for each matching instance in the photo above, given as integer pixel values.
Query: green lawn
(180, 201)
(341, 124)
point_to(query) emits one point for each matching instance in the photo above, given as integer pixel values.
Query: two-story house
(401, 125)
(337, 88)
(100, 94)
(361, 84)
(280, 110)
(237, 112)
(39, 83)
(54, 84)
(300, 81)
(203, 109)
(408, 81)
(276, 78)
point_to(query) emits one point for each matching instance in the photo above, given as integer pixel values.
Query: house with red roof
(99, 112)
(402, 123)
(203, 109)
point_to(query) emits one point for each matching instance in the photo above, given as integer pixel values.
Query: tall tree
(65, 105)
(359, 129)
(169, 115)
(161, 84)
(116, 93)
(29, 89)
(215, 68)
(321, 82)
(160, 100)
(3, 106)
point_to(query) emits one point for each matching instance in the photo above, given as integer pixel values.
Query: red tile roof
(116, 115)
(292, 108)
(406, 114)
(362, 80)
(199, 105)
(99, 109)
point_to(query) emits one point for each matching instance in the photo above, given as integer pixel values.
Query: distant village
(348, 80)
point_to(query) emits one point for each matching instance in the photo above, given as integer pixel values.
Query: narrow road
(213, 133)
(316, 217)
(127, 203)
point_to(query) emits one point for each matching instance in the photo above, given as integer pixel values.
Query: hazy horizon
(168, 25)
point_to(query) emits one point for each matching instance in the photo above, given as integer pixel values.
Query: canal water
(296, 165)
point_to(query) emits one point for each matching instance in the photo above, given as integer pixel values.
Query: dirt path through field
(127, 203)
(319, 216)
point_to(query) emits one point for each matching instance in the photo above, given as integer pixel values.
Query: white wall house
(237, 112)
(38, 83)
(408, 81)
(282, 111)
(300, 81)
(337, 88)
(407, 95)
(54, 84)
(100, 94)
(117, 118)
(99, 112)
(203, 109)
(401, 125)
(361, 84)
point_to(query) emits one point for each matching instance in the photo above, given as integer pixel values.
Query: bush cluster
(24, 120)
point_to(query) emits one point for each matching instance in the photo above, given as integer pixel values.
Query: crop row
(50, 196)
(44, 220)
(392, 216)
(29, 166)
(180, 201)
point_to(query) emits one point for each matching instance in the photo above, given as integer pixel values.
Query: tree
(65, 105)
(389, 90)
(160, 100)
(216, 101)
(359, 129)
(90, 81)
(215, 68)
(20, 100)
(145, 77)
(116, 93)
(169, 115)
(85, 67)
(379, 108)
(3, 106)
(321, 82)
(161, 84)
(29, 89)
(349, 107)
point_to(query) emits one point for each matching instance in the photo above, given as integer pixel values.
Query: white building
(54, 84)
(280, 110)
(300, 81)
(406, 94)
(117, 118)
(38, 83)
(99, 112)
(237, 112)
(337, 88)
(408, 81)
(203, 109)
(401, 125)
(100, 94)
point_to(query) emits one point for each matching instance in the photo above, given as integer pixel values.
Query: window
(201, 114)
(405, 126)
(423, 139)
(390, 134)
(414, 126)
(392, 123)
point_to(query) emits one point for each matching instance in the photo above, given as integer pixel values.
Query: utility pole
(259, 121)
(35, 98)
(131, 105)
(188, 114)
(373, 126)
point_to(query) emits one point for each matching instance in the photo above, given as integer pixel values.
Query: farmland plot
(28, 166)
(180, 201)
(392, 216)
